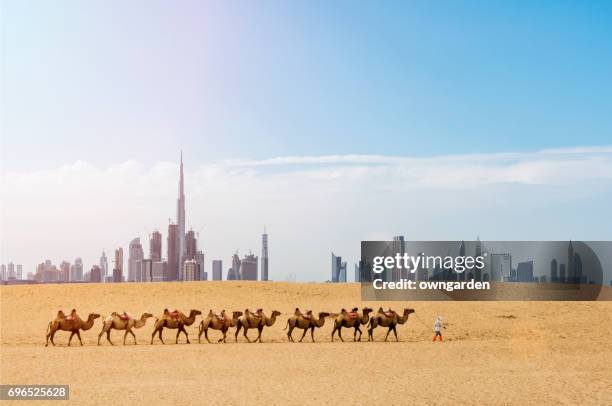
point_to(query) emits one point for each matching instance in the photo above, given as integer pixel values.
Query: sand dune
(494, 353)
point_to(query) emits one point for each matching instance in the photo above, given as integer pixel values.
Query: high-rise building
(180, 219)
(248, 268)
(103, 267)
(217, 270)
(570, 273)
(357, 272)
(95, 275)
(554, 276)
(524, 271)
(64, 271)
(76, 270)
(342, 274)
(118, 269)
(173, 252)
(136, 254)
(234, 272)
(399, 247)
(3, 272)
(144, 268)
(191, 270)
(264, 256)
(159, 271)
(10, 271)
(336, 266)
(155, 246)
(19, 271)
(199, 258)
(191, 245)
(500, 266)
(562, 276)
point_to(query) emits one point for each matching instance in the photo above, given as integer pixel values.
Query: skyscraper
(136, 254)
(248, 268)
(336, 265)
(199, 258)
(95, 275)
(399, 247)
(76, 270)
(173, 253)
(217, 270)
(19, 271)
(2, 272)
(234, 272)
(191, 245)
(570, 273)
(264, 256)
(180, 219)
(103, 267)
(64, 271)
(118, 270)
(554, 276)
(155, 246)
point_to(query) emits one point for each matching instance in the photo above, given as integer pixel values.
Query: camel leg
(333, 332)
(340, 333)
(245, 334)
(108, 336)
(224, 331)
(52, 336)
(259, 330)
(289, 333)
(70, 339)
(133, 335)
(200, 331)
(395, 332)
(178, 331)
(153, 335)
(100, 335)
(305, 330)
(186, 334)
(312, 333)
(206, 335)
(78, 333)
(387, 336)
(124, 336)
(238, 326)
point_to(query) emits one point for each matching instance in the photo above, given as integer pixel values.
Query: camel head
(366, 310)
(194, 312)
(93, 316)
(275, 313)
(146, 315)
(235, 315)
(323, 315)
(408, 311)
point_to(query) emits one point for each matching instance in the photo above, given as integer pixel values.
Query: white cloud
(310, 204)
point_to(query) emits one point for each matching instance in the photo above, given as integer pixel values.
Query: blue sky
(110, 81)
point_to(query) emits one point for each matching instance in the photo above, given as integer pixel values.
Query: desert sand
(494, 352)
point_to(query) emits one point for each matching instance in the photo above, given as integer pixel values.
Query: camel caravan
(223, 321)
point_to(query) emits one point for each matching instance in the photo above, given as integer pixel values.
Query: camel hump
(60, 315)
(343, 311)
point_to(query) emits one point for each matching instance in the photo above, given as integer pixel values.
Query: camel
(218, 322)
(389, 319)
(122, 321)
(256, 320)
(72, 323)
(351, 319)
(174, 320)
(305, 322)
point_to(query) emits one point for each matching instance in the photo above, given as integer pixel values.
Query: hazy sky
(342, 116)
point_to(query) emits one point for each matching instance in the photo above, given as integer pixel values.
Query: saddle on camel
(124, 316)
(174, 314)
(389, 313)
(71, 316)
(307, 315)
(353, 313)
(221, 316)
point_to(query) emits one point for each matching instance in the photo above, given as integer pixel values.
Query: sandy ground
(494, 352)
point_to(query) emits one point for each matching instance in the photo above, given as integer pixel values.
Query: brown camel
(220, 322)
(174, 320)
(122, 321)
(351, 319)
(305, 322)
(389, 319)
(256, 320)
(72, 323)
